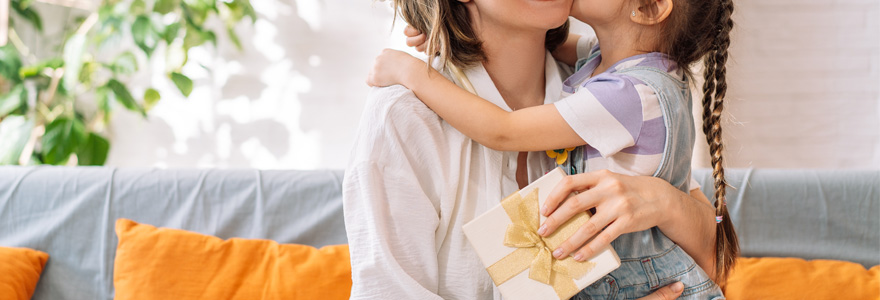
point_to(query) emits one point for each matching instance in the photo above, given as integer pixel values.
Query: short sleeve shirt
(618, 116)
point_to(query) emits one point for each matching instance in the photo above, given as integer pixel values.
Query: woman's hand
(392, 67)
(623, 204)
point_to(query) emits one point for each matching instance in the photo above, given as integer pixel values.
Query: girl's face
(602, 12)
(521, 14)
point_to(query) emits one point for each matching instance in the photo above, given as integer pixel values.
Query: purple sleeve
(606, 113)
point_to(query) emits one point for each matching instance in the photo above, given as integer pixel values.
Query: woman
(414, 180)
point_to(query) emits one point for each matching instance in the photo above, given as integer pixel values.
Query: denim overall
(649, 259)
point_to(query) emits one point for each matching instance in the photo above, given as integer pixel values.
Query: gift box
(520, 261)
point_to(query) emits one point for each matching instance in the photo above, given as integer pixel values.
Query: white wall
(804, 89)
(805, 85)
(292, 99)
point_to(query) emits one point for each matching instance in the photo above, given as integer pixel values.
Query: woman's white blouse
(412, 183)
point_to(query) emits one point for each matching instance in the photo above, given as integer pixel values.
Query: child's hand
(415, 38)
(391, 67)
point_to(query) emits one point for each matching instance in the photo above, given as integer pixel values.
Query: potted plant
(55, 109)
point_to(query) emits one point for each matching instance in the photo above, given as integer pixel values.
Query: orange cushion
(794, 278)
(20, 270)
(161, 263)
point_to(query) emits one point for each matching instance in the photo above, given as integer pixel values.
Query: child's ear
(653, 13)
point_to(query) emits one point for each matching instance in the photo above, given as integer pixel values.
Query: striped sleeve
(606, 113)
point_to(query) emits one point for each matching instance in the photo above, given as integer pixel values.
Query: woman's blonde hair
(450, 35)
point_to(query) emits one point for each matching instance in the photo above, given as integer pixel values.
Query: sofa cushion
(795, 278)
(161, 263)
(20, 270)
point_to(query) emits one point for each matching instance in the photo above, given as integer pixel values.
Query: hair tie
(718, 219)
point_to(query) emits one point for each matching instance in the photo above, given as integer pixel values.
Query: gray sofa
(70, 213)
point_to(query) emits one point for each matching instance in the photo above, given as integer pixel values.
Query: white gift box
(487, 233)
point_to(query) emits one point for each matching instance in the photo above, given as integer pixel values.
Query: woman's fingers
(590, 229)
(668, 292)
(569, 185)
(601, 241)
(576, 204)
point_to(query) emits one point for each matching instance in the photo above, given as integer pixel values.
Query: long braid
(708, 90)
(726, 243)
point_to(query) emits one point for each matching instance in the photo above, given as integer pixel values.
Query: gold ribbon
(534, 252)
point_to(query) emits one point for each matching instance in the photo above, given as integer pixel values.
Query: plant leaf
(31, 15)
(175, 56)
(104, 95)
(196, 11)
(125, 63)
(194, 37)
(21, 4)
(13, 101)
(230, 31)
(35, 70)
(73, 53)
(183, 83)
(14, 132)
(210, 36)
(137, 7)
(143, 34)
(63, 137)
(165, 6)
(171, 32)
(10, 63)
(28, 72)
(87, 72)
(124, 96)
(93, 152)
(248, 9)
(151, 97)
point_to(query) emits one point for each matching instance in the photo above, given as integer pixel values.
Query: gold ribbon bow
(534, 252)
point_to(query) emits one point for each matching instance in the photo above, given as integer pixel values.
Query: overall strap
(675, 103)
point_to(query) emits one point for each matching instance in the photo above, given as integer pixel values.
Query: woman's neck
(516, 65)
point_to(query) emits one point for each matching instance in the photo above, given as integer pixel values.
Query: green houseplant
(54, 110)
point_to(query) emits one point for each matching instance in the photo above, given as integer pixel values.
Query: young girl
(627, 109)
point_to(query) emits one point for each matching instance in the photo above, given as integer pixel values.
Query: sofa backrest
(70, 213)
(811, 214)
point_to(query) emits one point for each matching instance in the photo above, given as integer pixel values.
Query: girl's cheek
(579, 9)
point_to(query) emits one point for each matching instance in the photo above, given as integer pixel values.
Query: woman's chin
(534, 14)
(551, 13)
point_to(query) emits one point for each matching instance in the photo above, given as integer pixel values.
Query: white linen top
(412, 182)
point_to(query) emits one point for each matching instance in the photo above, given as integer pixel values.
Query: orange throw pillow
(161, 263)
(20, 270)
(795, 278)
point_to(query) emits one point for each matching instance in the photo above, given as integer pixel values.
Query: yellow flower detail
(561, 155)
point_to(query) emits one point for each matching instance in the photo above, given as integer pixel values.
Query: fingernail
(542, 230)
(579, 257)
(677, 287)
(557, 253)
(544, 210)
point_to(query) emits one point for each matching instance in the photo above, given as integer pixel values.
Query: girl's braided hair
(700, 29)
